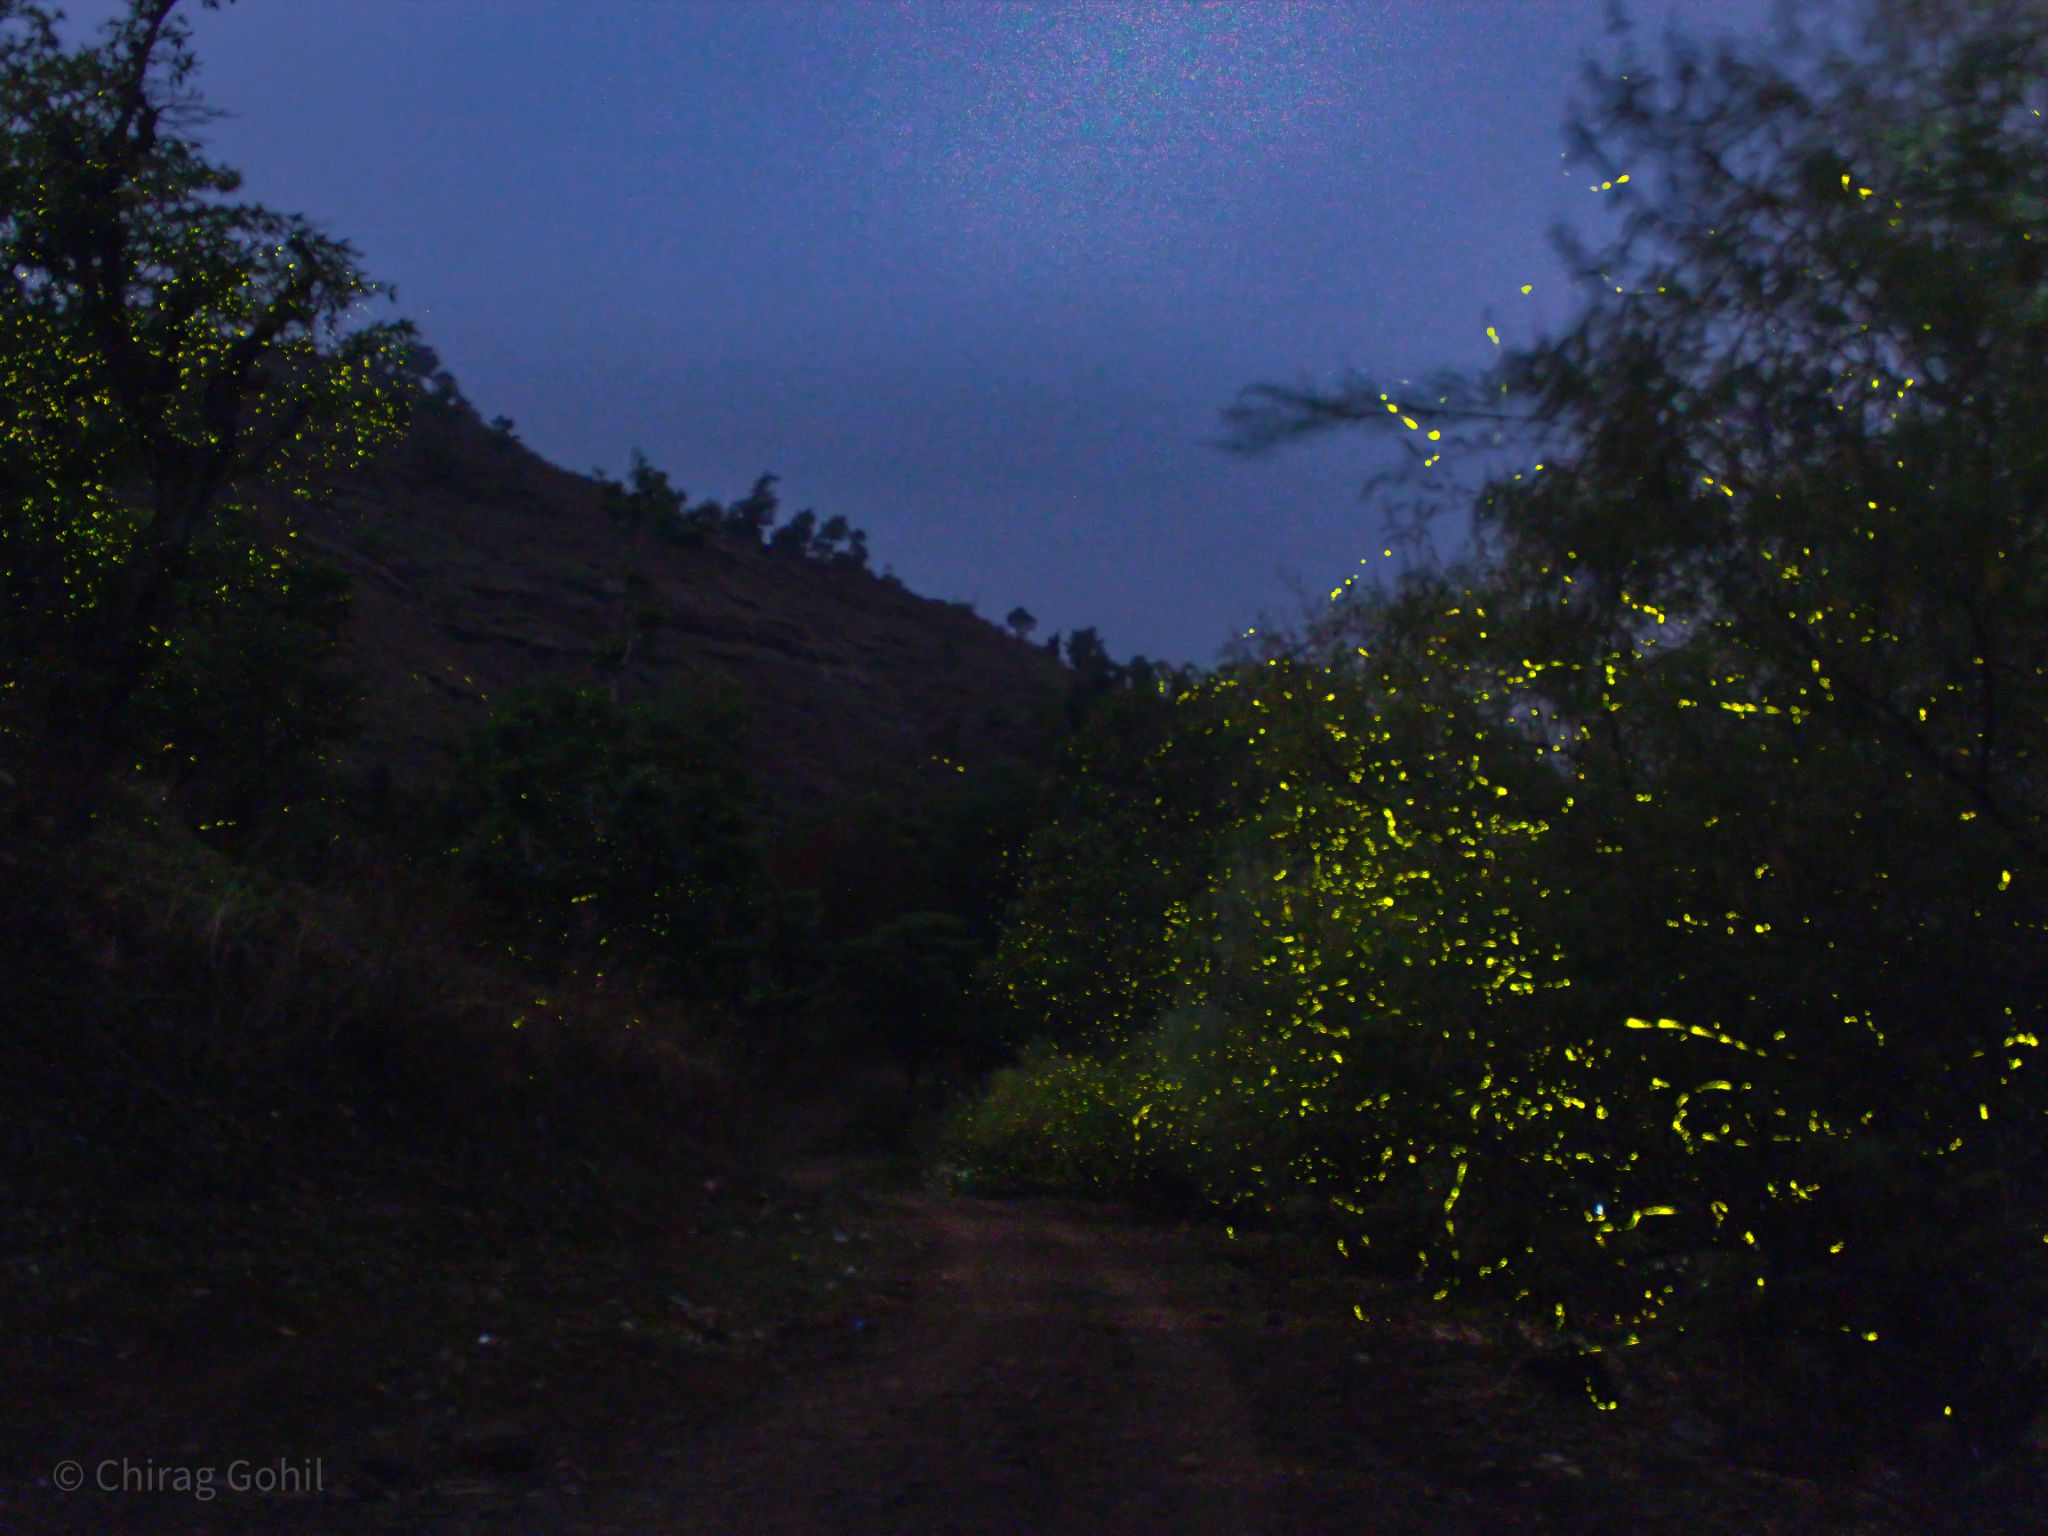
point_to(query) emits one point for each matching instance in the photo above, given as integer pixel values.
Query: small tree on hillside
(794, 537)
(753, 514)
(838, 543)
(648, 506)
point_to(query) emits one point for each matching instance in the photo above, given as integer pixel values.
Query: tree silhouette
(164, 347)
(794, 537)
(753, 514)
(831, 536)
(1781, 571)
(1643, 923)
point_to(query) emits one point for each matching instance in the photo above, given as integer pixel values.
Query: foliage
(794, 537)
(1643, 926)
(1055, 1122)
(594, 824)
(648, 504)
(248, 704)
(909, 979)
(839, 543)
(162, 346)
(1123, 841)
(753, 514)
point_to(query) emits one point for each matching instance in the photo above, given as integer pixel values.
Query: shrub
(594, 824)
(247, 701)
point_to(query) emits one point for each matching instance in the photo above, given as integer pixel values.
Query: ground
(839, 1350)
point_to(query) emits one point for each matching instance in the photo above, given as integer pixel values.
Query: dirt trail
(1048, 1380)
(996, 1369)
(1059, 1371)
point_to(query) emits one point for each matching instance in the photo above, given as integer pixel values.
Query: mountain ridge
(476, 566)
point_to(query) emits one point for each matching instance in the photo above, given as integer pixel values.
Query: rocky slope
(476, 566)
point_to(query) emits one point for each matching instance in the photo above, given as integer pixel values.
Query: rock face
(476, 566)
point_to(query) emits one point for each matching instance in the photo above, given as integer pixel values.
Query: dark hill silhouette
(476, 566)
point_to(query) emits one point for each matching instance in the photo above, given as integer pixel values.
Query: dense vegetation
(1639, 928)
(587, 935)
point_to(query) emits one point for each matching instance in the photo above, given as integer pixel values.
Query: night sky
(978, 276)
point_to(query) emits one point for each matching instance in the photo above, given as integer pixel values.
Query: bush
(1410, 974)
(594, 824)
(248, 701)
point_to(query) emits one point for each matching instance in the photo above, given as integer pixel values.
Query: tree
(754, 513)
(645, 504)
(249, 704)
(1124, 834)
(794, 537)
(1021, 622)
(432, 384)
(1820, 407)
(1784, 569)
(593, 823)
(832, 534)
(1094, 673)
(837, 543)
(163, 348)
(649, 506)
(909, 979)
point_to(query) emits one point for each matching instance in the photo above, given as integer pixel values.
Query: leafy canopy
(163, 346)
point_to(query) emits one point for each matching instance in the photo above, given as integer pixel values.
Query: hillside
(476, 565)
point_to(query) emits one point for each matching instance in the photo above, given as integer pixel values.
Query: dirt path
(1056, 1370)
(980, 1368)
(1049, 1379)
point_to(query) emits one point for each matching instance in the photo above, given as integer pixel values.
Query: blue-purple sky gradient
(978, 276)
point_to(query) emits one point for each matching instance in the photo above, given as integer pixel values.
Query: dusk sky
(978, 276)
